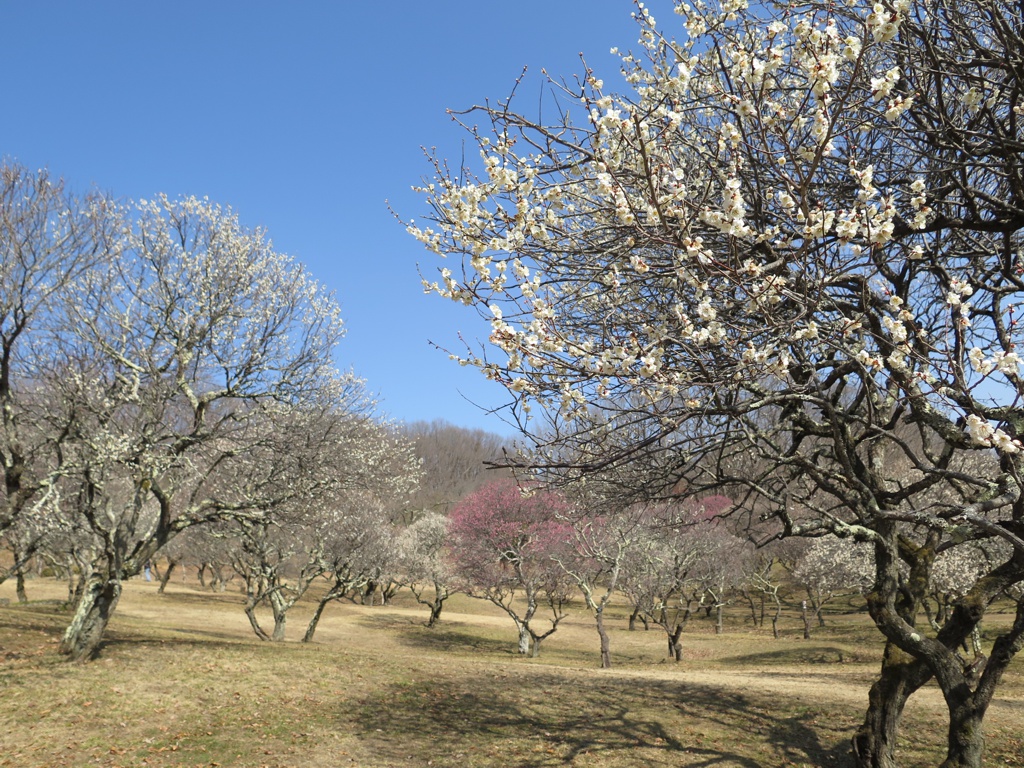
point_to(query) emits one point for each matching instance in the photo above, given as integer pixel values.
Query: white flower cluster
(983, 433)
(1004, 362)
(649, 236)
(884, 24)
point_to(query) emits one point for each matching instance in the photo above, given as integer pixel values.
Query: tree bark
(84, 636)
(171, 565)
(602, 632)
(280, 604)
(675, 646)
(966, 739)
(535, 650)
(315, 621)
(20, 586)
(280, 620)
(632, 618)
(874, 744)
(435, 612)
(969, 689)
(524, 640)
(250, 611)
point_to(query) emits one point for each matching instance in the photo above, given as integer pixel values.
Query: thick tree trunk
(315, 621)
(675, 646)
(171, 565)
(280, 620)
(84, 635)
(524, 640)
(874, 744)
(966, 739)
(20, 586)
(632, 618)
(969, 690)
(280, 604)
(368, 592)
(606, 651)
(435, 612)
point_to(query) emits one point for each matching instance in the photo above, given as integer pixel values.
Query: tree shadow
(207, 641)
(448, 638)
(811, 654)
(531, 719)
(200, 598)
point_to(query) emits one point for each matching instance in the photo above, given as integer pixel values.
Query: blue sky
(304, 117)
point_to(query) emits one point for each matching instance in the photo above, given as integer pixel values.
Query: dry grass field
(183, 682)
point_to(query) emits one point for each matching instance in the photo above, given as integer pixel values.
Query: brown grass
(183, 682)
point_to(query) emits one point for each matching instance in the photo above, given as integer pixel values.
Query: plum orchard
(786, 258)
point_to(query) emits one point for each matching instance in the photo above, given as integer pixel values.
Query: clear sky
(304, 117)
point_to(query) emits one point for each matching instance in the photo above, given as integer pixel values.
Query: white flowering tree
(336, 463)
(830, 568)
(603, 538)
(359, 553)
(48, 239)
(175, 360)
(423, 562)
(791, 235)
(680, 562)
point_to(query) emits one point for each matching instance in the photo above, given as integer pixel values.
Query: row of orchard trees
(531, 551)
(783, 259)
(162, 367)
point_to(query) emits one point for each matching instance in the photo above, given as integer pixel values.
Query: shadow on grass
(174, 638)
(445, 637)
(202, 598)
(451, 638)
(531, 719)
(805, 655)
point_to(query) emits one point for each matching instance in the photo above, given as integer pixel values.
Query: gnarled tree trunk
(171, 565)
(99, 597)
(874, 744)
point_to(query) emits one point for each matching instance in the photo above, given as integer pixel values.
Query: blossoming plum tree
(832, 567)
(794, 236)
(174, 360)
(506, 546)
(48, 239)
(351, 468)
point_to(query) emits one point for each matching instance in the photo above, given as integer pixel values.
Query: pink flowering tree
(506, 544)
